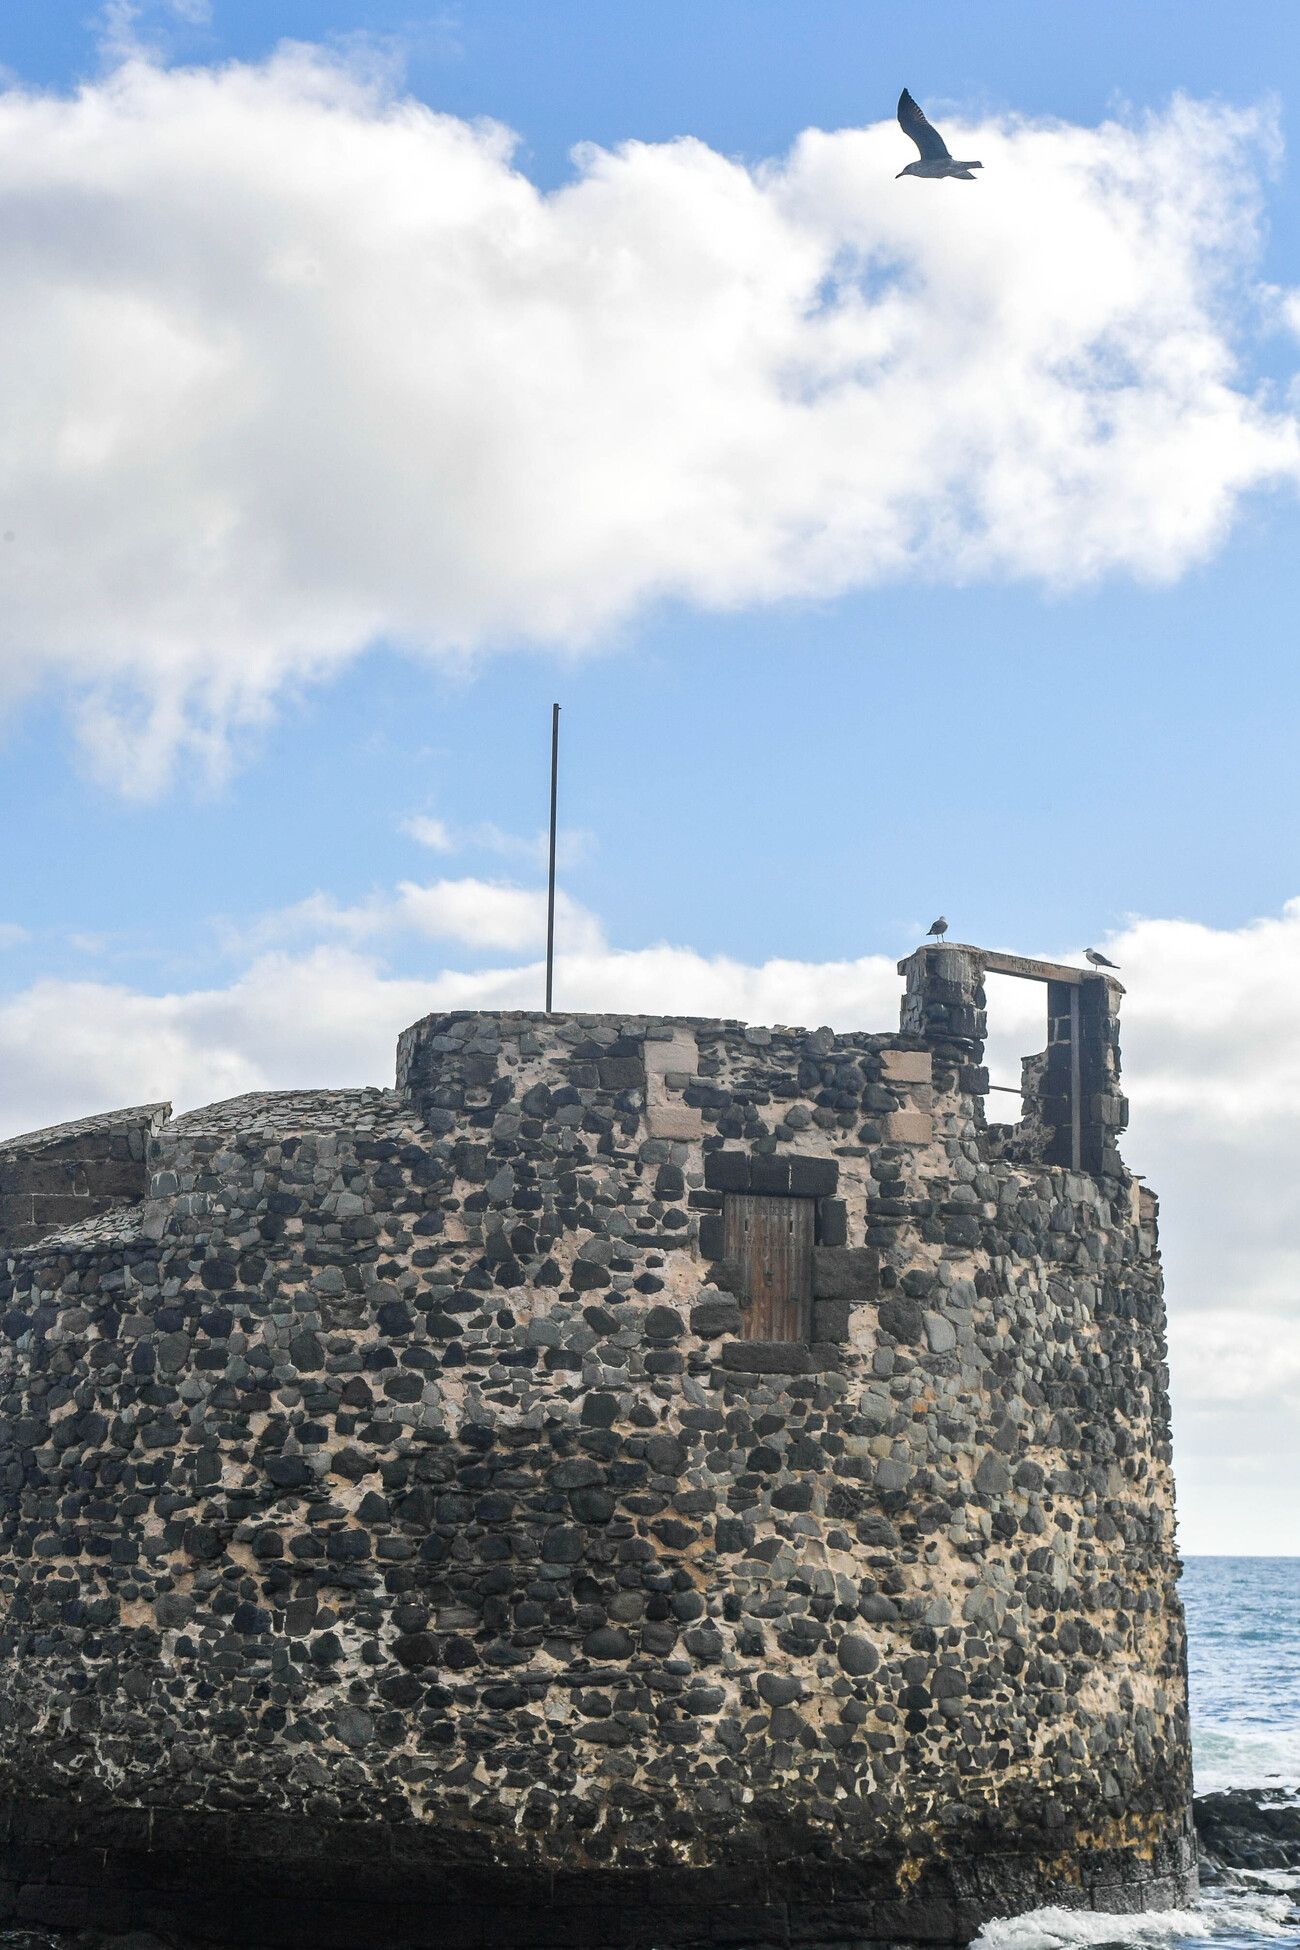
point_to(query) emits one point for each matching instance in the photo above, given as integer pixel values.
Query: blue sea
(1243, 1622)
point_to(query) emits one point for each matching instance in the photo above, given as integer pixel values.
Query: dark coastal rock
(1247, 1828)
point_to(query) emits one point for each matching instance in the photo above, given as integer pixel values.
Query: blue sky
(875, 756)
(744, 75)
(1013, 639)
(1044, 765)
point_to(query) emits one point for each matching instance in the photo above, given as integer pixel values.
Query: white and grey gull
(934, 159)
(1098, 961)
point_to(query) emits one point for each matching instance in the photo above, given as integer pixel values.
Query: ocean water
(1243, 1624)
(1243, 1627)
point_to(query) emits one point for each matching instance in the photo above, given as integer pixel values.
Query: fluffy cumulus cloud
(476, 913)
(1212, 1064)
(306, 364)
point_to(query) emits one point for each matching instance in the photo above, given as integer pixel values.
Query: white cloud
(1219, 1358)
(573, 844)
(12, 935)
(489, 914)
(306, 365)
(433, 833)
(288, 1020)
(477, 913)
(1212, 1065)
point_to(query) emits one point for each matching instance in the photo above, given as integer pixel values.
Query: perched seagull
(938, 928)
(1098, 961)
(935, 160)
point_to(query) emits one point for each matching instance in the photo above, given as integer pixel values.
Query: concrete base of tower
(282, 1883)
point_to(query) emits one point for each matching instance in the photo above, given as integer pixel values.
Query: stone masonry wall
(55, 1178)
(399, 1534)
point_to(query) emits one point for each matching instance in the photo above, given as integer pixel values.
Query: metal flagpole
(550, 885)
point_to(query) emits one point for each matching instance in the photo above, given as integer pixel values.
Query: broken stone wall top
(67, 1173)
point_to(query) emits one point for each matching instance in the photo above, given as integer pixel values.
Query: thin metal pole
(550, 884)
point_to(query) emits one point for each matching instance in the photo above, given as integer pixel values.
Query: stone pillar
(1090, 1073)
(1104, 1107)
(944, 1005)
(1053, 1111)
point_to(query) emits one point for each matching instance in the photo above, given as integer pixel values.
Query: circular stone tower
(649, 1481)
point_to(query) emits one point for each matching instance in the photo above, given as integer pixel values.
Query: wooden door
(771, 1239)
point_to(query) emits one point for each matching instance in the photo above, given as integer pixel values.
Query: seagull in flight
(1098, 961)
(938, 928)
(934, 158)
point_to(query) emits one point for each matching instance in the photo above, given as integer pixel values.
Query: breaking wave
(1226, 1917)
(1246, 1755)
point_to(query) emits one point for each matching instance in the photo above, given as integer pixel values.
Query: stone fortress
(638, 1482)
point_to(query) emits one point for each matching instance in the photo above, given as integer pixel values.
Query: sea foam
(1218, 1916)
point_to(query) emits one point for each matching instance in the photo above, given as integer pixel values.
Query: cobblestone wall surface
(400, 1533)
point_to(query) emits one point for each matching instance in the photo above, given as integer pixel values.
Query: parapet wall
(407, 1537)
(69, 1172)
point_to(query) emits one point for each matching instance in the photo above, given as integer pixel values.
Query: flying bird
(934, 159)
(1098, 961)
(938, 928)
